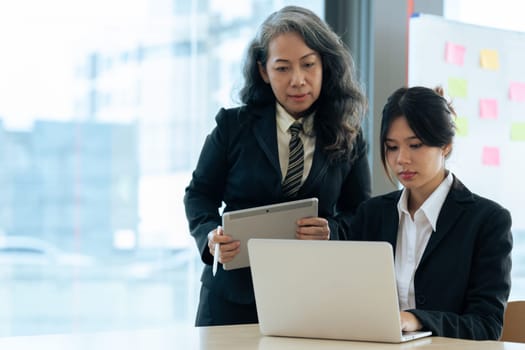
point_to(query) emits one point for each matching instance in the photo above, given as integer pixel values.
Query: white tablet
(269, 221)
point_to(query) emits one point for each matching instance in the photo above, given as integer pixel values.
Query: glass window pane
(105, 105)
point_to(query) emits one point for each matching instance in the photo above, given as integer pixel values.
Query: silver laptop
(327, 289)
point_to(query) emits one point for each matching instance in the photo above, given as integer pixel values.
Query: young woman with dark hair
(452, 247)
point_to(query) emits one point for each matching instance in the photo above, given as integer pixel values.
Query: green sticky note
(461, 126)
(457, 87)
(517, 132)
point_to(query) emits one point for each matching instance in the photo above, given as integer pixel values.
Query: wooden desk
(245, 337)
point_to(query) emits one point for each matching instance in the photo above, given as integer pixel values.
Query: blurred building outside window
(104, 107)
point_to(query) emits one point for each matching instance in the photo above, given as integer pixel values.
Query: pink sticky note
(454, 53)
(517, 91)
(488, 108)
(490, 156)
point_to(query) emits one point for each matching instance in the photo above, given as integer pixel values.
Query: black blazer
(463, 280)
(239, 165)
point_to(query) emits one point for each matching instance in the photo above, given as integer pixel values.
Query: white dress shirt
(412, 239)
(284, 120)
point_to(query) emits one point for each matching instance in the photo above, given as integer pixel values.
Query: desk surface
(243, 337)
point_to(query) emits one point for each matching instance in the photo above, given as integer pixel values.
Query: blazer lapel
(390, 224)
(451, 210)
(265, 131)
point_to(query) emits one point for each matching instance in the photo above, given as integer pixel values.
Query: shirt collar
(432, 205)
(284, 120)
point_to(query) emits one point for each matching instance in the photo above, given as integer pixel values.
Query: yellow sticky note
(489, 59)
(517, 132)
(457, 87)
(461, 126)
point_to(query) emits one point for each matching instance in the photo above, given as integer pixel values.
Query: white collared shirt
(413, 237)
(284, 120)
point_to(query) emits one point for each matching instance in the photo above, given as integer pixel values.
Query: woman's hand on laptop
(228, 248)
(313, 228)
(409, 322)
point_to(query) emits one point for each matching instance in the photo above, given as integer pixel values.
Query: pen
(216, 253)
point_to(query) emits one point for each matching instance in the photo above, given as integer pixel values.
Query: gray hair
(341, 104)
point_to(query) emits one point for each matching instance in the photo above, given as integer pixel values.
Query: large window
(104, 106)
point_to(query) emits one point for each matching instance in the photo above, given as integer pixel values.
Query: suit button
(420, 299)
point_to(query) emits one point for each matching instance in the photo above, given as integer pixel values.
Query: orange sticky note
(454, 53)
(489, 59)
(488, 108)
(517, 91)
(490, 156)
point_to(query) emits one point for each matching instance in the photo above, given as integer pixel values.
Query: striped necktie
(294, 174)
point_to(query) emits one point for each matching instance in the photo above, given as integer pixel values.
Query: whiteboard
(482, 70)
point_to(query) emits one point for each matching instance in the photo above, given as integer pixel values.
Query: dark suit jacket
(239, 164)
(463, 280)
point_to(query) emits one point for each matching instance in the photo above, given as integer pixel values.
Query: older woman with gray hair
(297, 135)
